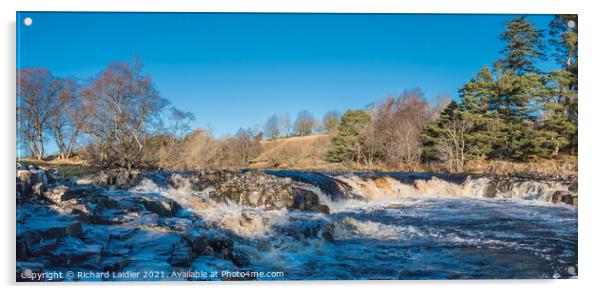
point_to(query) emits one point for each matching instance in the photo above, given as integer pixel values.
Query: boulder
(308, 201)
(212, 178)
(62, 193)
(120, 178)
(564, 197)
(162, 206)
(199, 242)
(256, 190)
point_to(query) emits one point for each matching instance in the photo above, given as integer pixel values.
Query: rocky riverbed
(175, 224)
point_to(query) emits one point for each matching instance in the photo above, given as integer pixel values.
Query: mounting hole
(27, 21)
(571, 24)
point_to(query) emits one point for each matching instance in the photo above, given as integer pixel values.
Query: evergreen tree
(518, 86)
(347, 144)
(523, 46)
(560, 113)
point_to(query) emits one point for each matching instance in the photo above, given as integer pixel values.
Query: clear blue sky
(234, 70)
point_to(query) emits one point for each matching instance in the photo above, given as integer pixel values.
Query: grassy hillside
(305, 152)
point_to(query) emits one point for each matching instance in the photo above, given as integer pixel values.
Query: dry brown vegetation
(303, 152)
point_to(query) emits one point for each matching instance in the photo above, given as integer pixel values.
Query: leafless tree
(331, 121)
(66, 120)
(123, 108)
(399, 122)
(452, 147)
(242, 148)
(179, 124)
(305, 123)
(38, 95)
(272, 127)
(285, 124)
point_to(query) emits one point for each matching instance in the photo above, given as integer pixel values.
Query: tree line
(511, 110)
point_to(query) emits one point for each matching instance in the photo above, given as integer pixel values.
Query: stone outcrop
(97, 228)
(257, 189)
(119, 178)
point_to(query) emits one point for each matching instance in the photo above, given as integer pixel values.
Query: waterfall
(390, 186)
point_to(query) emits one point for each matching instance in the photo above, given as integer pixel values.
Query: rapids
(401, 226)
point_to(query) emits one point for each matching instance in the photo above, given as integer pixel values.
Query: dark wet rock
(104, 202)
(258, 189)
(300, 228)
(72, 250)
(199, 242)
(182, 254)
(162, 206)
(62, 193)
(308, 201)
(178, 180)
(96, 235)
(152, 244)
(120, 178)
(327, 232)
(334, 188)
(212, 178)
(564, 197)
(221, 246)
(31, 184)
(531, 187)
(42, 247)
(177, 224)
(573, 187)
(53, 228)
(113, 263)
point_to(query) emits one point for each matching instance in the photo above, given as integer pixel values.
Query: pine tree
(347, 143)
(560, 113)
(517, 88)
(523, 46)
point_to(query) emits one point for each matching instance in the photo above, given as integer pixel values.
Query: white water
(397, 229)
(389, 188)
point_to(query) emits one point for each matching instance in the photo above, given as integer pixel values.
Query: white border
(589, 136)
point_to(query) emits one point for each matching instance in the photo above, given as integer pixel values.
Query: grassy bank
(64, 167)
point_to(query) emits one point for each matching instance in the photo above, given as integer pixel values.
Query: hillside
(305, 152)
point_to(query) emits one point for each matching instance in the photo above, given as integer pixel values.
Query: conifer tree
(347, 143)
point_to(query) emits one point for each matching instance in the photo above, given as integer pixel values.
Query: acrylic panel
(290, 146)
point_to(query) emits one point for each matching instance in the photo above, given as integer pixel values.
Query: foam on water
(399, 230)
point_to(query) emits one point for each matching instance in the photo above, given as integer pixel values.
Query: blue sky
(234, 70)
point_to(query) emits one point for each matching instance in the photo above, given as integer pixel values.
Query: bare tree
(399, 122)
(240, 149)
(272, 127)
(179, 124)
(305, 123)
(331, 121)
(285, 124)
(451, 147)
(123, 108)
(38, 93)
(66, 120)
